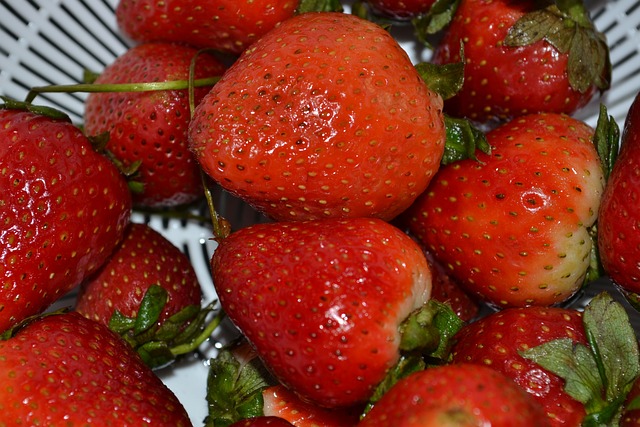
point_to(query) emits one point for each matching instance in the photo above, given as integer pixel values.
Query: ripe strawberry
(321, 301)
(148, 292)
(238, 388)
(262, 421)
(455, 395)
(496, 340)
(523, 58)
(283, 403)
(226, 25)
(151, 126)
(325, 116)
(619, 217)
(64, 210)
(63, 369)
(513, 227)
(448, 291)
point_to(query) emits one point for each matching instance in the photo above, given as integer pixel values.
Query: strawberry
(321, 301)
(448, 291)
(631, 411)
(496, 339)
(325, 116)
(64, 369)
(619, 216)
(149, 128)
(64, 210)
(262, 421)
(513, 226)
(283, 403)
(455, 395)
(226, 25)
(148, 292)
(524, 57)
(239, 388)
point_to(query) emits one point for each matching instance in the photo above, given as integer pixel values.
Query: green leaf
(445, 79)
(599, 375)
(463, 139)
(575, 364)
(429, 330)
(319, 6)
(407, 365)
(613, 341)
(151, 307)
(435, 20)
(567, 26)
(606, 139)
(234, 389)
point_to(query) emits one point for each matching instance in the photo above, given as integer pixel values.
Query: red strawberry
(64, 369)
(631, 412)
(448, 291)
(553, 60)
(513, 226)
(64, 210)
(321, 301)
(283, 403)
(262, 421)
(227, 25)
(151, 126)
(148, 292)
(545, 351)
(238, 387)
(495, 341)
(619, 217)
(325, 116)
(455, 395)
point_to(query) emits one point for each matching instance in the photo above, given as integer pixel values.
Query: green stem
(119, 87)
(195, 343)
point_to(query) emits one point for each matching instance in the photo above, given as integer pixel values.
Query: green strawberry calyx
(566, 25)
(601, 374)
(159, 344)
(235, 383)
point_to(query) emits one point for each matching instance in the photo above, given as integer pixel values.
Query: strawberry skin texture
(502, 82)
(151, 126)
(63, 369)
(494, 341)
(226, 25)
(283, 403)
(460, 395)
(512, 227)
(325, 116)
(144, 258)
(64, 210)
(619, 217)
(321, 301)
(264, 421)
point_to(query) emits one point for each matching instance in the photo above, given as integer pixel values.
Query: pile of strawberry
(427, 225)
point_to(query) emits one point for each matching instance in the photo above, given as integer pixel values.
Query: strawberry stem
(194, 343)
(119, 87)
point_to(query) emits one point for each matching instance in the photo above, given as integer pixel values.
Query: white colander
(45, 42)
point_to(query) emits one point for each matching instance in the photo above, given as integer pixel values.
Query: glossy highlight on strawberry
(513, 226)
(64, 210)
(321, 301)
(325, 116)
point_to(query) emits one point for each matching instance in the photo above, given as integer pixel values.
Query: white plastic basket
(53, 41)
